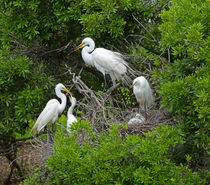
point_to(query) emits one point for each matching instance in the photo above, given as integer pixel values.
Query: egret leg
(145, 112)
(105, 84)
(49, 137)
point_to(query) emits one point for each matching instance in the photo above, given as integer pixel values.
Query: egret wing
(47, 115)
(110, 61)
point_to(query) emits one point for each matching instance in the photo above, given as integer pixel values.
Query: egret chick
(104, 60)
(52, 109)
(137, 119)
(70, 117)
(143, 93)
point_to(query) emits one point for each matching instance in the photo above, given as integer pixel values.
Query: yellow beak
(68, 91)
(133, 84)
(82, 44)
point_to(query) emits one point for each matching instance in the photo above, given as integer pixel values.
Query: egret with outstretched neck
(70, 117)
(52, 109)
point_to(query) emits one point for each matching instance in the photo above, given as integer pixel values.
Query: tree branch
(3, 12)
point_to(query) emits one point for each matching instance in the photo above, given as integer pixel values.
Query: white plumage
(105, 61)
(52, 109)
(71, 118)
(136, 120)
(142, 92)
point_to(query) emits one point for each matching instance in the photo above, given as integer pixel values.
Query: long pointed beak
(133, 85)
(70, 97)
(68, 92)
(82, 44)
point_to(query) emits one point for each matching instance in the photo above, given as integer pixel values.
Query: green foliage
(189, 98)
(184, 83)
(22, 87)
(123, 95)
(32, 24)
(83, 157)
(65, 20)
(185, 29)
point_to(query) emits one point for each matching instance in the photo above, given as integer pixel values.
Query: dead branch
(144, 27)
(104, 109)
(57, 49)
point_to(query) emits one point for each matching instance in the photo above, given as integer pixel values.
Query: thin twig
(144, 27)
(3, 13)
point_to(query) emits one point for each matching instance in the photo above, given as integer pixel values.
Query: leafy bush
(22, 88)
(188, 98)
(70, 19)
(185, 29)
(84, 157)
(184, 82)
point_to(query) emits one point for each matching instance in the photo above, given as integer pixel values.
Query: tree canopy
(166, 41)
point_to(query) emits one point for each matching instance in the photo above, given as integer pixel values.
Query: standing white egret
(142, 92)
(52, 109)
(70, 117)
(136, 120)
(105, 61)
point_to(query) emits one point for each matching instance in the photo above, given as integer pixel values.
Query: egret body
(70, 117)
(104, 60)
(52, 109)
(142, 92)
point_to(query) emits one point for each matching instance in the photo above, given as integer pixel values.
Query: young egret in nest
(136, 120)
(70, 117)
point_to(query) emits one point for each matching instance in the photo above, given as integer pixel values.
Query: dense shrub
(85, 157)
(184, 82)
(185, 29)
(22, 88)
(66, 20)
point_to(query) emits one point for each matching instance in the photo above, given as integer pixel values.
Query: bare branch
(144, 27)
(57, 49)
(3, 12)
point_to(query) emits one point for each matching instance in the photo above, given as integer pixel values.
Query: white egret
(52, 109)
(105, 61)
(70, 117)
(142, 92)
(137, 119)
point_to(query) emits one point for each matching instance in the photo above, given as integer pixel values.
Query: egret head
(134, 83)
(139, 116)
(139, 81)
(72, 99)
(61, 87)
(85, 42)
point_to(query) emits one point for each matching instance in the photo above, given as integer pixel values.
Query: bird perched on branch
(104, 60)
(52, 109)
(70, 117)
(143, 93)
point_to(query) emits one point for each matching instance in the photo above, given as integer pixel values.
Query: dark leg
(105, 84)
(49, 138)
(145, 112)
